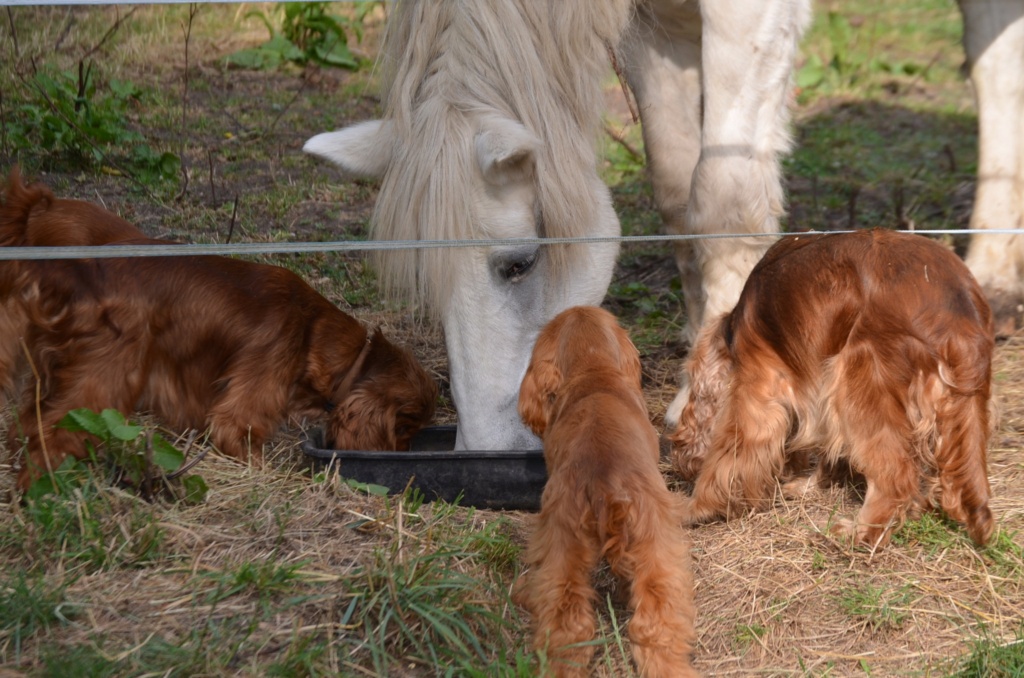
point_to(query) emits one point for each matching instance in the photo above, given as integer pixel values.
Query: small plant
(749, 633)
(67, 114)
(84, 523)
(878, 606)
(1005, 554)
(421, 603)
(308, 34)
(495, 546)
(29, 605)
(991, 658)
(132, 453)
(263, 579)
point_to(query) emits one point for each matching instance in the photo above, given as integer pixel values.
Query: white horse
(491, 114)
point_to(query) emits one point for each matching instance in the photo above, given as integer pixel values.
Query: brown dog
(202, 342)
(33, 217)
(871, 348)
(604, 498)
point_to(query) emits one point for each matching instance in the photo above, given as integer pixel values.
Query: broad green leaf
(369, 488)
(195, 489)
(84, 419)
(165, 455)
(62, 476)
(119, 428)
(812, 73)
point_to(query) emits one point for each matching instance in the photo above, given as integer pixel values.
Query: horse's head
(492, 301)
(488, 133)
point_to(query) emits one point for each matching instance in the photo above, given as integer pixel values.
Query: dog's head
(390, 399)
(584, 338)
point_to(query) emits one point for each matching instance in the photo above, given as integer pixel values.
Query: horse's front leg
(994, 42)
(715, 169)
(748, 52)
(661, 55)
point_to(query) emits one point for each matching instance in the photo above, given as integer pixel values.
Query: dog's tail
(18, 203)
(644, 543)
(964, 427)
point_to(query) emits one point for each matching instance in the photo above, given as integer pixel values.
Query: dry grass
(273, 558)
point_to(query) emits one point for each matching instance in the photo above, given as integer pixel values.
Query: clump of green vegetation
(991, 658)
(93, 526)
(136, 457)
(308, 34)
(880, 607)
(70, 115)
(30, 604)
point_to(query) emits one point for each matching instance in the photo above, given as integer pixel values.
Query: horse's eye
(515, 270)
(512, 267)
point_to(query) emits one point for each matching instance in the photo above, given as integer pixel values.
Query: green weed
(308, 33)
(880, 607)
(863, 46)
(69, 115)
(300, 659)
(28, 605)
(931, 531)
(79, 660)
(1004, 554)
(495, 546)
(135, 457)
(991, 658)
(747, 634)
(92, 526)
(261, 579)
(425, 608)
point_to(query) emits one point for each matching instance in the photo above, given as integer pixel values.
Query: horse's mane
(539, 62)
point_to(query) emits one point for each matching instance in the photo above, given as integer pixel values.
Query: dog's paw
(799, 488)
(871, 537)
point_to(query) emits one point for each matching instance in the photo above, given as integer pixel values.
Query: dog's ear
(709, 372)
(537, 394)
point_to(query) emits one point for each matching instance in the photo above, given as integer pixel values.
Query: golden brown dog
(871, 348)
(201, 341)
(604, 498)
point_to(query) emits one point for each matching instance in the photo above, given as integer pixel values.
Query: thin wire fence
(173, 250)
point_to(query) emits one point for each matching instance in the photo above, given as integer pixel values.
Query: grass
(97, 527)
(879, 607)
(29, 604)
(994, 658)
(280, 574)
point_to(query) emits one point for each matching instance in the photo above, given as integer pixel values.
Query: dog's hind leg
(88, 383)
(654, 554)
(871, 411)
(558, 591)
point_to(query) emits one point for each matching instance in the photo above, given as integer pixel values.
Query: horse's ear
(505, 151)
(363, 149)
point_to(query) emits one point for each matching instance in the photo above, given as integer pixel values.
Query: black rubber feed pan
(492, 479)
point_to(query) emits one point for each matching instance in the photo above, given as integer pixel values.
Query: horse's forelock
(451, 60)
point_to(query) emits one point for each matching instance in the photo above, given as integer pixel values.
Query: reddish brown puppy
(604, 498)
(871, 348)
